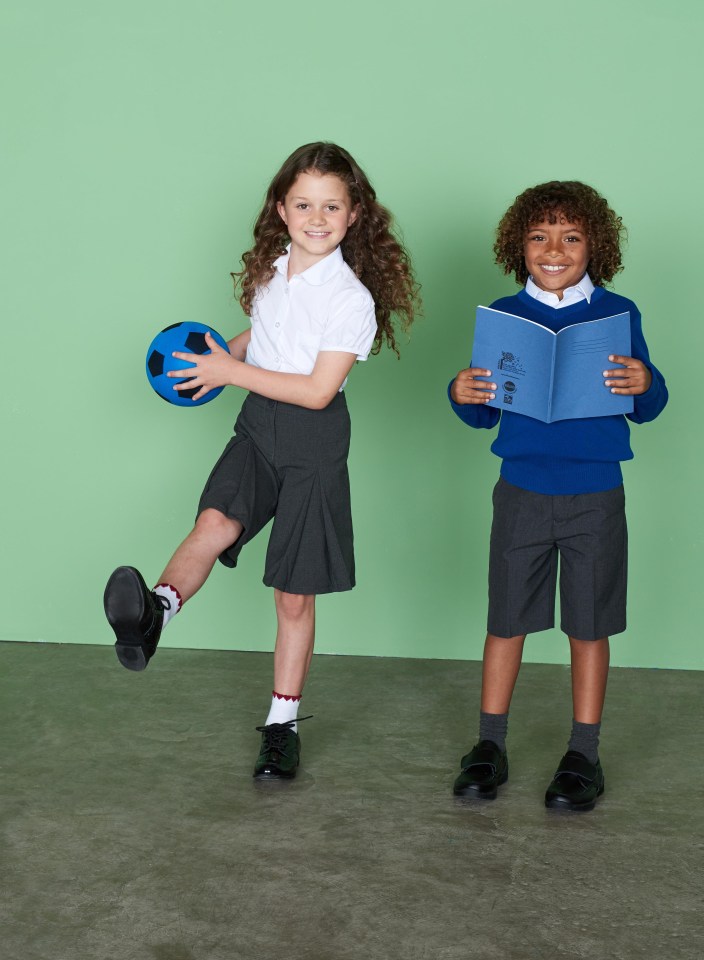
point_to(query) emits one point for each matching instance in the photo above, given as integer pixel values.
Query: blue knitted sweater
(568, 456)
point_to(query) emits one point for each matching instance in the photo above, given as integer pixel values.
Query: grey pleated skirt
(289, 463)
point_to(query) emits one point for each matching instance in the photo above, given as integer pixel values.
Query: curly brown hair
(578, 203)
(377, 257)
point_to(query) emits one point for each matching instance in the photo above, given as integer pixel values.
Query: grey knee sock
(585, 739)
(493, 726)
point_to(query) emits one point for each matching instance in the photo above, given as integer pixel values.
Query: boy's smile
(556, 254)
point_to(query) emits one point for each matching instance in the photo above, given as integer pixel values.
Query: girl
(321, 285)
(560, 490)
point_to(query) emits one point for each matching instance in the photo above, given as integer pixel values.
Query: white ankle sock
(173, 596)
(283, 708)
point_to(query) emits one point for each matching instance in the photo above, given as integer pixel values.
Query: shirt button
(277, 324)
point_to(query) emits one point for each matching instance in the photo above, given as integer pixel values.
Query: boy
(560, 491)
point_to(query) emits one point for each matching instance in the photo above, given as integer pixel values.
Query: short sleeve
(351, 325)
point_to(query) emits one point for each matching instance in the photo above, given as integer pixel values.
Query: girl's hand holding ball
(210, 371)
(189, 341)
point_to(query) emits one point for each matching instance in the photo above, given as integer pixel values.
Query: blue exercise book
(547, 375)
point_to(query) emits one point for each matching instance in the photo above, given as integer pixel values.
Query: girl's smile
(556, 254)
(317, 211)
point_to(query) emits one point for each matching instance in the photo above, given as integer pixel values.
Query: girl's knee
(294, 606)
(212, 523)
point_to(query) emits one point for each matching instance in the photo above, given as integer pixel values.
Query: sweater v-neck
(574, 310)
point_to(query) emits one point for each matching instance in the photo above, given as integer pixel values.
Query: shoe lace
(159, 604)
(275, 734)
(161, 601)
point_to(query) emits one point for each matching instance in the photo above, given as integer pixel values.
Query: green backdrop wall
(141, 138)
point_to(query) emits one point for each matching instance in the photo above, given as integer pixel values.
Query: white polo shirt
(324, 308)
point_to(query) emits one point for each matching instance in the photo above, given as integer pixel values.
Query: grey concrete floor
(132, 829)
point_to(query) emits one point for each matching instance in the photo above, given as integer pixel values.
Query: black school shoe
(136, 614)
(280, 752)
(484, 769)
(576, 785)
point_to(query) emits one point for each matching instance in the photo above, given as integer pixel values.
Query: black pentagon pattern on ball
(195, 343)
(188, 393)
(183, 337)
(156, 363)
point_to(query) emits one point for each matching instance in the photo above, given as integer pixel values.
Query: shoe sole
(268, 776)
(124, 608)
(477, 792)
(562, 803)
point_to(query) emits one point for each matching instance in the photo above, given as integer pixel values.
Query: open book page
(547, 375)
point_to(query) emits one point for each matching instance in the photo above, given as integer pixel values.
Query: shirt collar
(582, 290)
(316, 275)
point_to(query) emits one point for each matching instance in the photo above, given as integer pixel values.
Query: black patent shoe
(136, 615)
(280, 752)
(576, 785)
(484, 769)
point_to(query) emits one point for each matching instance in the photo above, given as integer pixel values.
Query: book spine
(553, 363)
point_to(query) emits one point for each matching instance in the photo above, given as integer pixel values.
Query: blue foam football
(187, 337)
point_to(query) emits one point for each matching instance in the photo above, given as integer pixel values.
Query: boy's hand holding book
(466, 389)
(632, 379)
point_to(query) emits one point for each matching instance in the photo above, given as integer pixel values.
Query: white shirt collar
(316, 275)
(580, 291)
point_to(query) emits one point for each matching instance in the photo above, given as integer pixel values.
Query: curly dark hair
(578, 203)
(370, 248)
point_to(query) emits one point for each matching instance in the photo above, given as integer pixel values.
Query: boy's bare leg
(485, 767)
(295, 638)
(590, 669)
(579, 779)
(502, 661)
(193, 560)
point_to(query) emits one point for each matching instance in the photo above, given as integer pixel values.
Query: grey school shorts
(289, 463)
(529, 532)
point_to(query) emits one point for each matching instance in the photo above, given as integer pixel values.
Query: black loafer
(280, 752)
(136, 615)
(484, 769)
(576, 785)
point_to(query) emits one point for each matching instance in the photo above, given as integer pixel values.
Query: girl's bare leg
(192, 562)
(295, 638)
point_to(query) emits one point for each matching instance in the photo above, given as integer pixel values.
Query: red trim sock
(174, 598)
(284, 707)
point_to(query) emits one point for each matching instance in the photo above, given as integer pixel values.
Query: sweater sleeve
(477, 415)
(648, 405)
